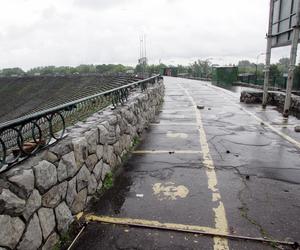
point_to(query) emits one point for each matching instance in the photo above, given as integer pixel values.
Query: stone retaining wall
(39, 197)
(274, 98)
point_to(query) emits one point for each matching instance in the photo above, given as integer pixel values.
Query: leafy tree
(274, 71)
(11, 72)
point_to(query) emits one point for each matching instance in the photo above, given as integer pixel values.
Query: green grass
(65, 240)
(108, 182)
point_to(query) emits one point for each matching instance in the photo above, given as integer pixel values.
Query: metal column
(268, 57)
(293, 57)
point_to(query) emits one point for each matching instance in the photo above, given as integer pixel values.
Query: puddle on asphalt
(169, 191)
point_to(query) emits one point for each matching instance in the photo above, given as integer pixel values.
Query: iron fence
(20, 138)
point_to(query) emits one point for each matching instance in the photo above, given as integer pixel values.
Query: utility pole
(293, 57)
(268, 57)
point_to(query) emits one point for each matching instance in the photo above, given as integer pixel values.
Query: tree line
(67, 70)
(199, 68)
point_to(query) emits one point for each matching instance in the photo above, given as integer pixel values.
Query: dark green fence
(276, 82)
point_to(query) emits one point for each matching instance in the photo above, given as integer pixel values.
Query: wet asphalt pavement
(254, 175)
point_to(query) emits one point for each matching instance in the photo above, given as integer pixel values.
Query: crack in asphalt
(247, 144)
(244, 209)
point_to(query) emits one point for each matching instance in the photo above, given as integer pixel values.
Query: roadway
(225, 169)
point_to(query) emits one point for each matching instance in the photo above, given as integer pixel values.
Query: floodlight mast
(268, 56)
(293, 57)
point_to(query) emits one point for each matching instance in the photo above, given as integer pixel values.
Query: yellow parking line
(151, 224)
(219, 211)
(167, 152)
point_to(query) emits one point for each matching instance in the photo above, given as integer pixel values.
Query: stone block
(10, 203)
(117, 148)
(63, 217)
(80, 150)
(63, 147)
(50, 156)
(55, 195)
(83, 178)
(92, 138)
(92, 186)
(45, 176)
(105, 170)
(32, 239)
(71, 191)
(99, 152)
(51, 242)
(98, 170)
(103, 134)
(67, 167)
(12, 229)
(24, 180)
(79, 202)
(47, 221)
(33, 203)
(91, 161)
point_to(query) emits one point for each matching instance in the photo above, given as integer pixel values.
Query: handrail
(24, 136)
(59, 107)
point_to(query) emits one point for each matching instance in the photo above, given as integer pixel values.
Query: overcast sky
(73, 32)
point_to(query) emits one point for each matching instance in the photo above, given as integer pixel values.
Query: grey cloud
(99, 4)
(61, 33)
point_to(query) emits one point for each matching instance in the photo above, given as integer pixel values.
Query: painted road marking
(171, 134)
(278, 132)
(150, 224)
(174, 124)
(167, 152)
(169, 191)
(174, 227)
(219, 211)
